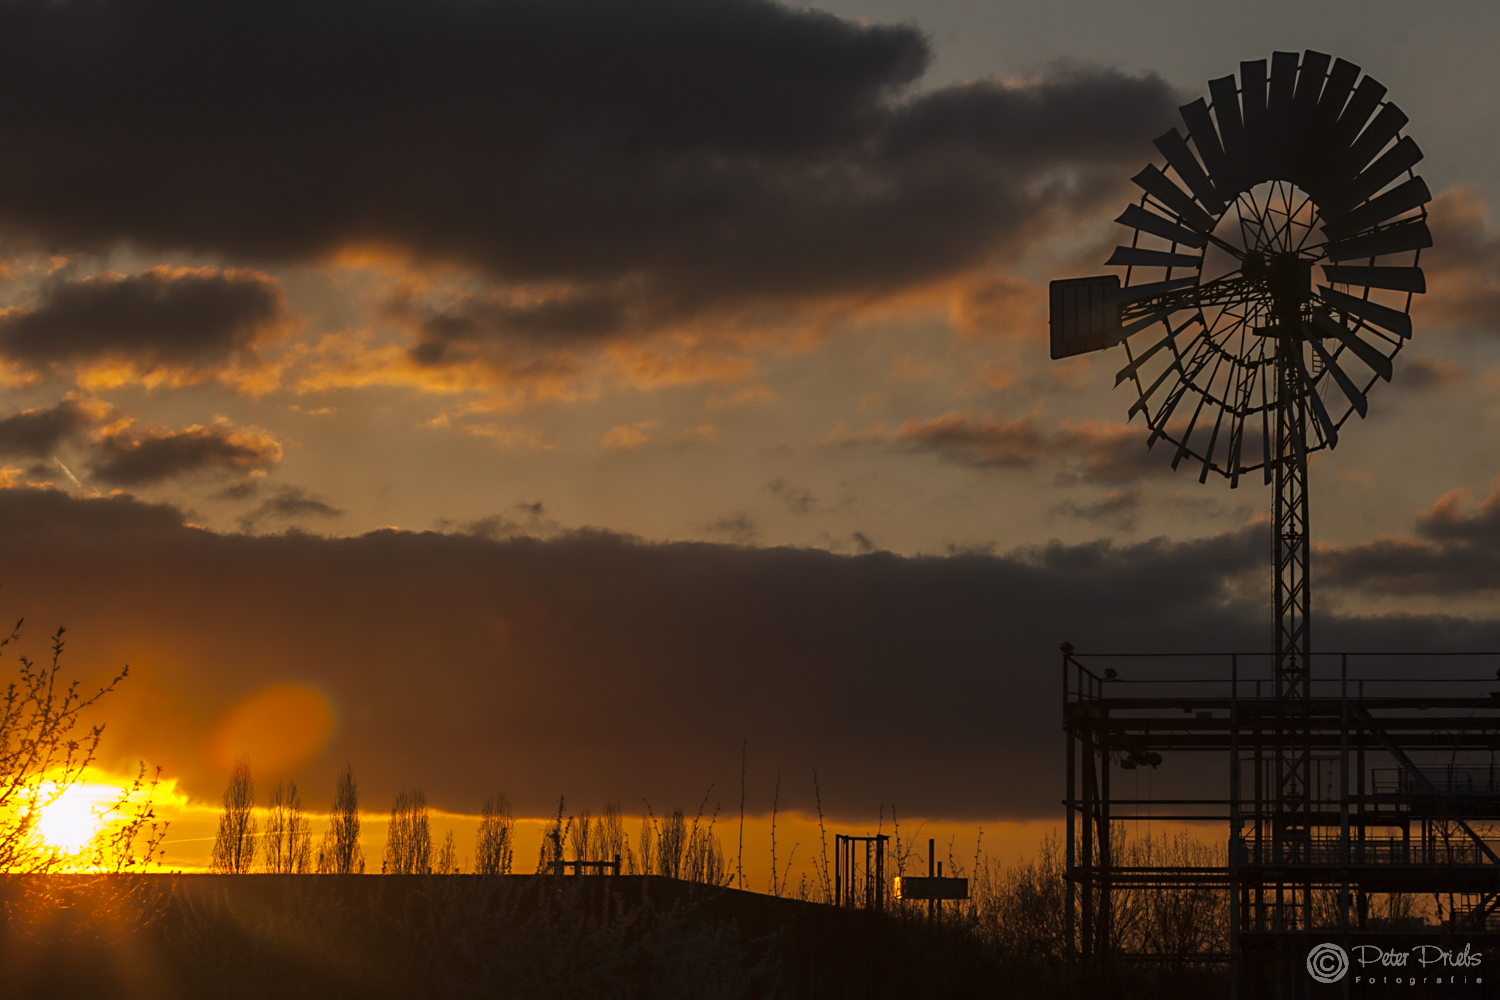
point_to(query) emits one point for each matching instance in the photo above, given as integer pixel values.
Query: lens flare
(278, 728)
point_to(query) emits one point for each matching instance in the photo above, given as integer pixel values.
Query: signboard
(931, 887)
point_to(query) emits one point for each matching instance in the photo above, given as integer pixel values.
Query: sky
(554, 396)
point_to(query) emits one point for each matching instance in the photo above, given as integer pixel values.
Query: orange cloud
(1463, 265)
(626, 437)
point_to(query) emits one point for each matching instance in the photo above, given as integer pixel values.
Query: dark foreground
(326, 936)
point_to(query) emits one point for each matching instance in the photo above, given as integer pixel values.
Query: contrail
(73, 477)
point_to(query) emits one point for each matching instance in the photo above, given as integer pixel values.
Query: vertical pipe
(931, 873)
(1068, 886)
(1260, 809)
(869, 889)
(1236, 827)
(838, 869)
(1344, 790)
(1105, 900)
(1087, 855)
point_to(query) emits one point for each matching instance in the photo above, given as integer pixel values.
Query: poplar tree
(287, 842)
(497, 834)
(234, 846)
(408, 841)
(340, 853)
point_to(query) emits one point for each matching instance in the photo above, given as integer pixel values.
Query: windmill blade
(1386, 126)
(1151, 289)
(1130, 370)
(1402, 198)
(1384, 317)
(1279, 108)
(1403, 236)
(1231, 129)
(1213, 441)
(1310, 79)
(1362, 104)
(1330, 429)
(1137, 257)
(1253, 107)
(1137, 217)
(1373, 359)
(1139, 405)
(1175, 149)
(1399, 279)
(1400, 158)
(1143, 322)
(1157, 185)
(1355, 397)
(1206, 141)
(1320, 130)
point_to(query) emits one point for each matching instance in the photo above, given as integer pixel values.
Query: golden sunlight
(71, 822)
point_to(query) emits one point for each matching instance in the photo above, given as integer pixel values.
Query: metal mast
(1292, 823)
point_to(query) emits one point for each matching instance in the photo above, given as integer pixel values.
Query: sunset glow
(72, 821)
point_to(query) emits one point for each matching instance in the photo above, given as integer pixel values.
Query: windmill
(1267, 288)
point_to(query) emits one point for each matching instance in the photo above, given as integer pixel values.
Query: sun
(71, 822)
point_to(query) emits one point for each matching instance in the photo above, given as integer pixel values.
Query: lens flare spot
(278, 728)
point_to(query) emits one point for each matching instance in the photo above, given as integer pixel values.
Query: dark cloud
(1455, 553)
(1427, 373)
(737, 525)
(604, 667)
(128, 459)
(292, 503)
(986, 441)
(1120, 508)
(181, 317)
(36, 433)
(797, 499)
(612, 164)
(1103, 452)
(1095, 451)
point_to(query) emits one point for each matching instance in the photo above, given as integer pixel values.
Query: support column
(1292, 827)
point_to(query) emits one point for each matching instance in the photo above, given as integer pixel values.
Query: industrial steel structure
(1336, 786)
(1402, 796)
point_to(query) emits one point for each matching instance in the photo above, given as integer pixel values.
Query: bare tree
(408, 843)
(497, 837)
(613, 843)
(447, 860)
(288, 837)
(234, 846)
(340, 853)
(41, 758)
(274, 839)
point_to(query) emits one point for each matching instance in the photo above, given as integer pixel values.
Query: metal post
(838, 869)
(1292, 827)
(1068, 887)
(869, 889)
(1344, 790)
(1106, 907)
(1236, 827)
(931, 871)
(1087, 856)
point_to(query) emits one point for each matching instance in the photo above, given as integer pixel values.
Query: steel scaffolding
(1396, 790)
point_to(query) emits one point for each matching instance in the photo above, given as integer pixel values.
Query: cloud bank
(600, 666)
